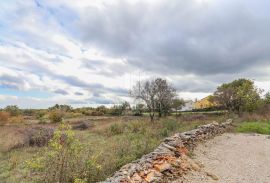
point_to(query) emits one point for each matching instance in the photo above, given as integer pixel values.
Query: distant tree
(238, 96)
(165, 95)
(13, 110)
(102, 109)
(138, 110)
(267, 98)
(157, 95)
(125, 106)
(64, 108)
(147, 92)
(121, 109)
(177, 104)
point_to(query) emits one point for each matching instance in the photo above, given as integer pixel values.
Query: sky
(91, 52)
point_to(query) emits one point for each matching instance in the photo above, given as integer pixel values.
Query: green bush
(116, 129)
(56, 116)
(62, 162)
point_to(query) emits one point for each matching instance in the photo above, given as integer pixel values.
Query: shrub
(116, 129)
(4, 116)
(16, 119)
(40, 114)
(60, 161)
(97, 113)
(56, 116)
(65, 160)
(13, 110)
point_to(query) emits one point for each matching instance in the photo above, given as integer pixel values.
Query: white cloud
(96, 50)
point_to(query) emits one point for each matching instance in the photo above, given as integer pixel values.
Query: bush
(13, 110)
(97, 113)
(4, 116)
(60, 161)
(56, 116)
(16, 119)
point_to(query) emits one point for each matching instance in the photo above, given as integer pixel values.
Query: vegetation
(238, 96)
(13, 110)
(254, 127)
(157, 95)
(56, 116)
(94, 154)
(121, 135)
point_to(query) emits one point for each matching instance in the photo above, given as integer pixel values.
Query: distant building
(189, 105)
(205, 103)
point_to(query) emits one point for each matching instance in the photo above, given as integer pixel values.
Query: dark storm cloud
(178, 37)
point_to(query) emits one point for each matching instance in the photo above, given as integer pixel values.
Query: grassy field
(261, 127)
(106, 146)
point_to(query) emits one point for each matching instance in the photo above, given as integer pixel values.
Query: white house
(189, 105)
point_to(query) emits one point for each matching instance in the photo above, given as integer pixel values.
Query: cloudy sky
(90, 52)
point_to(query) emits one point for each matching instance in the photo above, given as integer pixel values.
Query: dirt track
(232, 158)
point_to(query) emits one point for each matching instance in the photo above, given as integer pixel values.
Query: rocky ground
(231, 158)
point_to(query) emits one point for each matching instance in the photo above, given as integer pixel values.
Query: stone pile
(170, 158)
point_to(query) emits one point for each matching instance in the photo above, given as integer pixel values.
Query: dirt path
(232, 158)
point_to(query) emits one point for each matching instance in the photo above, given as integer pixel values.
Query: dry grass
(4, 117)
(111, 142)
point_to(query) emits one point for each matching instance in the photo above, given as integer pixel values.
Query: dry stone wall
(170, 158)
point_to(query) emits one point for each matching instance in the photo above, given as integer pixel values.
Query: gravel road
(232, 158)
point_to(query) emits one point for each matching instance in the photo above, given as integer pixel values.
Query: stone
(136, 178)
(170, 158)
(195, 166)
(162, 167)
(213, 176)
(153, 176)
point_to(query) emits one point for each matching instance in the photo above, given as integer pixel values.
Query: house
(189, 105)
(205, 103)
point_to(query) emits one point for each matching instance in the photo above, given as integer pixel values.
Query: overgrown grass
(254, 127)
(110, 146)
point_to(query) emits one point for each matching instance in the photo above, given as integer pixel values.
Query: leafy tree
(238, 96)
(267, 98)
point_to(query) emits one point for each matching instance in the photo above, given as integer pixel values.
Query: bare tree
(165, 95)
(156, 94)
(147, 92)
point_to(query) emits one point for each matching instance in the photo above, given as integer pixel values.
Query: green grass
(254, 127)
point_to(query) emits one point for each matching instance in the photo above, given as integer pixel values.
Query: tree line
(238, 96)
